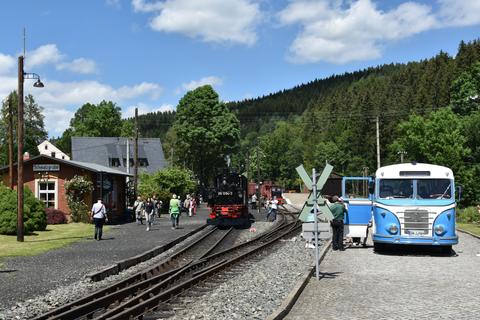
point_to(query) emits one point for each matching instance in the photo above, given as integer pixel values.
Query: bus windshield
(425, 188)
(434, 189)
(396, 188)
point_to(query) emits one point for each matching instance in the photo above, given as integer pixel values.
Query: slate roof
(100, 150)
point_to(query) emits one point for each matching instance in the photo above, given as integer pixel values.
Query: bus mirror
(371, 187)
(459, 193)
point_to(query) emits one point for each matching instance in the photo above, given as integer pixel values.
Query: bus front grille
(416, 222)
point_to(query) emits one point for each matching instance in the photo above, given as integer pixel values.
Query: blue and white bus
(414, 203)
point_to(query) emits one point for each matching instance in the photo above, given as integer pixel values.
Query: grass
(470, 227)
(56, 236)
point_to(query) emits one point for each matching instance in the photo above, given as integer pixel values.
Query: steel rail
(150, 299)
(159, 271)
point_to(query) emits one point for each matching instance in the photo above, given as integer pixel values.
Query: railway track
(143, 292)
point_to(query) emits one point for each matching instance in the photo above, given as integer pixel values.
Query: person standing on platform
(138, 207)
(338, 210)
(254, 201)
(149, 212)
(99, 217)
(174, 211)
(273, 208)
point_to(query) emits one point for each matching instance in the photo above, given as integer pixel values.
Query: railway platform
(414, 284)
(23, 278)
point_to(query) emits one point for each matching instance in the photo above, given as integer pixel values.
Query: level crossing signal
(307, 214)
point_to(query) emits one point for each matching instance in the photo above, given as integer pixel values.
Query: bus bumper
(432, 241)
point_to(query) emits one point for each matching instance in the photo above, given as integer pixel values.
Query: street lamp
(20, 122)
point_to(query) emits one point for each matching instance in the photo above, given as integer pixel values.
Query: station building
(45, 176)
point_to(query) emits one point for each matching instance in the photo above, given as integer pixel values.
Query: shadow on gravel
(416, 250)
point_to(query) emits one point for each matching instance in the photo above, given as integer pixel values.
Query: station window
(114, 162)
(143, 162)
(47, 193)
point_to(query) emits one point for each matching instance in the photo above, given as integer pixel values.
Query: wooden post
(10, 142)
(20, 152)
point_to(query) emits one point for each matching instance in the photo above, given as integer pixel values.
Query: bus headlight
(439, 230)
(393, 229)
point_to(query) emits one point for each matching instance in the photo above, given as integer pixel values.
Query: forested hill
(426, 83)
(421, 85)
(284, 104)
(154, 124)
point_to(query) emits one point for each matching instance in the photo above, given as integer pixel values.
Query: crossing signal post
(315, 204)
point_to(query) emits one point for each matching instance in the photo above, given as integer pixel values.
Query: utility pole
(20, 152)
(10, 141)
(135, 156)
(258, 180)
(378, 142)
(128, 156)
(171, 156)
(401, 153)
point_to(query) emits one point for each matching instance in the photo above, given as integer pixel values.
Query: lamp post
(20, 122)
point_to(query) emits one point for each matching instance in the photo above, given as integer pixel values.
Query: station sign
(46, 167)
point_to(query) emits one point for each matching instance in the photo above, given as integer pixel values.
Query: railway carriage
(228, 201)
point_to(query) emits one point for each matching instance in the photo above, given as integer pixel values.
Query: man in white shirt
(99, 216)
(273, 208)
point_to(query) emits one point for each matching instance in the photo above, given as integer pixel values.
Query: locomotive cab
(228, 201)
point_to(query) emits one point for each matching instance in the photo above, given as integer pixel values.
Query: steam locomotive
(228, 201)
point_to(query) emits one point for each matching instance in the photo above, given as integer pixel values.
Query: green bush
(76, 189)
(468, 215)
(34, 217)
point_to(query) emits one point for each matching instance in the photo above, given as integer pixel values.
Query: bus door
(358, 200)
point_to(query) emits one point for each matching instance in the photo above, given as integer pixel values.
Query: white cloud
(80, 65)
(57, 120)
(343, 31)
(129, 112)
(45, 54)
(211, 80)
(7, 64)
(459, 12)
(231, 21)
(77, 93)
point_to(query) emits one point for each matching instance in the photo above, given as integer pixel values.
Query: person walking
(273, 208)
(174, 211)
(149, 212)
(338, 210)
(254, 201)
(99, 217)
(138, 207)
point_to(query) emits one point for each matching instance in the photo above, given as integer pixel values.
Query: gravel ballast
(258, 290)
(79, 289)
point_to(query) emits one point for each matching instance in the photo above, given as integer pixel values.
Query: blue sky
(148, 53)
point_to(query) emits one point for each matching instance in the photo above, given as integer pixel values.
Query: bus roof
(414, 171)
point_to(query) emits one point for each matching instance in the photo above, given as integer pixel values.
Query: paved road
(360, 284)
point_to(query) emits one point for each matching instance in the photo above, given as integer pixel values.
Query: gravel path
(28, 277)
(360, 284)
